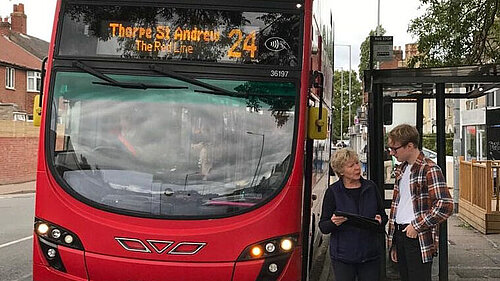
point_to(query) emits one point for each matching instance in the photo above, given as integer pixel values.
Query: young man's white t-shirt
(404, 212)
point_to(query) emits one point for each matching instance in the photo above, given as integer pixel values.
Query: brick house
(21, 57)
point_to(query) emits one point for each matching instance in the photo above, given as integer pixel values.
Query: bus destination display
(181, 34)
(164, 39)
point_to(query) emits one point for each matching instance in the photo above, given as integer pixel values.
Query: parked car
(430, 154)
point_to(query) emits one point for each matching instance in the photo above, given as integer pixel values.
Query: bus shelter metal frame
(415, 85)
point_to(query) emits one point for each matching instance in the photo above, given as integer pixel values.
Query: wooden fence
(479, 194)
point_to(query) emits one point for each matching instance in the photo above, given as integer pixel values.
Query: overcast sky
(353, 21)
(355, 18)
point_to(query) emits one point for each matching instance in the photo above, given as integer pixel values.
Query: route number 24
(248, 44)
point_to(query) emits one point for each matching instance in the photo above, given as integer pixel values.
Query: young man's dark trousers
(411, 267)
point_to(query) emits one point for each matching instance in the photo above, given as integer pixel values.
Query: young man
(421, 201)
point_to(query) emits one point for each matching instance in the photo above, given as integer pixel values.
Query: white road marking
(16, 241)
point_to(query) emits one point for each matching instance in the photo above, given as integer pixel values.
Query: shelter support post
(441, 161)
(376, 147)
(420, 119)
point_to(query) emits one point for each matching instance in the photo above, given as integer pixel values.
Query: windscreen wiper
(214, 90)
(112, 82)
(211, 89)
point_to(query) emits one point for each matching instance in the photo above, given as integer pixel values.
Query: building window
(34, 81)
(475, 142)
(493, 99)
(471, 104)
(10, 74)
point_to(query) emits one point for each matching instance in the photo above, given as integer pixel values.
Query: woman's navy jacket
(349, 243)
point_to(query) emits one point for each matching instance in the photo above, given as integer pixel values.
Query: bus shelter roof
(474, 80)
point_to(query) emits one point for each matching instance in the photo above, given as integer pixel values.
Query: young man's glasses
(395, 149)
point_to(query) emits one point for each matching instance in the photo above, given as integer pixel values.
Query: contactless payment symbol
(276, 44)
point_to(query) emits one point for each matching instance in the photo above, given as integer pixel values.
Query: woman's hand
(338, 220)
(394, 254)
(379, 219)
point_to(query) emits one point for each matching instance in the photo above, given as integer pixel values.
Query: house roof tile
(22, 50)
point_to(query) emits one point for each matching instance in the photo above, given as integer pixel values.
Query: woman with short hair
(354, 249)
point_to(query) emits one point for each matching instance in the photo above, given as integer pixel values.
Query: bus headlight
(274, 252)
(57, 235)
(269, 248)
(42, 228)
(286, 244)
(50, 237)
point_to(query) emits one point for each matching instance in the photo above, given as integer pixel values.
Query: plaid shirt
(432, 203)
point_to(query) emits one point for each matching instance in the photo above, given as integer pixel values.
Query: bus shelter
(390, 87)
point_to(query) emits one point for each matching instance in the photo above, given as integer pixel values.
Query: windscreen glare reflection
(172, 152)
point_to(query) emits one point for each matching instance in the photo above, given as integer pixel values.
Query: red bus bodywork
(224, 239)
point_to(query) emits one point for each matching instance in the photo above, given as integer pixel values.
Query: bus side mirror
(37, 111)
(37, 103)
(387, 111)
(317, 127)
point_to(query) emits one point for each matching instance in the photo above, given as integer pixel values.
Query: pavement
(17, 188)
(471, 255)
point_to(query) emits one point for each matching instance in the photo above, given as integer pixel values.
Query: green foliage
(429, 142)
(356, 99)
(457, 32)
(364, 59)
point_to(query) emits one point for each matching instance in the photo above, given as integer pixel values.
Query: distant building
(481, 126)
(397, 60)
(21, 57)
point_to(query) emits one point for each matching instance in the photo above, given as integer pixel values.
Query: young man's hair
(404, 134)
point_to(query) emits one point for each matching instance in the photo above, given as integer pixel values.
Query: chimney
(4, 26)
(398, 53)
(18, 19)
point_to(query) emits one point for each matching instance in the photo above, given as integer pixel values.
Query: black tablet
(360, 221)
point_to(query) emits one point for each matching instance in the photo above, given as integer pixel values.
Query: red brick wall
(18, 159)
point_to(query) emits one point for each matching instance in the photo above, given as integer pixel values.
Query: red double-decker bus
(178, 140)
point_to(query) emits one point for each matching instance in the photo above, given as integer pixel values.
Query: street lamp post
(260, 157)
(350, 83)
(341, 104)
(377, 30)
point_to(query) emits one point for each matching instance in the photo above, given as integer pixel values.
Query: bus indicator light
(256, 252)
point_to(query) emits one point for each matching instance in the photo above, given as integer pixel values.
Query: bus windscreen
(187, 34)
(172, 150)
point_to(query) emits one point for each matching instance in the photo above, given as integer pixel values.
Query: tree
(457, 32)
(365, 51)
(356, 99)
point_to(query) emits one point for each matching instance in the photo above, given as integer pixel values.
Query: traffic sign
(382, 48)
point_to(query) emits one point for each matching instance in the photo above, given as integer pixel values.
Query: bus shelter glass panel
(181, 151)
(403, 113)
